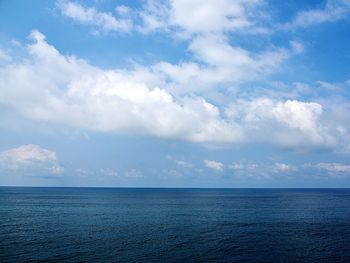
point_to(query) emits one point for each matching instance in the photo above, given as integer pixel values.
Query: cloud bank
(48, 86)
(30, 157)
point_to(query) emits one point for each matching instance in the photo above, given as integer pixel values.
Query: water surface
(174, 225)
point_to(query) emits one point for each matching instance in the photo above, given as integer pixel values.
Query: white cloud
(170, 174)
(338, 168)
(214, 165)
(122, 10)
(102, 21)
(30, 156)
(81, 172)
(216, 62)
(56, 169)
(4, 56)
(184, 18)
(251, 169)
(109, 172)
(333, 10)
(183, 163)
(69, 91)
(283, 167)
(288, 123)
(262, 170)
(48, 86)
(220, 62)
(327, 169)
(297, 46)
(210, 16)
(226, 63)
(133, 173)
(154, 16)
(268, 170)
(244, 166)
(191, 18)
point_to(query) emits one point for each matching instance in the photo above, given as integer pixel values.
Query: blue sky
(175, 93)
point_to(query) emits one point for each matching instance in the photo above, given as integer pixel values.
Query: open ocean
(174, 225)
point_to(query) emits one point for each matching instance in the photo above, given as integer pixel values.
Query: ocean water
(174, 225)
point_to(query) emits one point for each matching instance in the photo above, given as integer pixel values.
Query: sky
(175, 93)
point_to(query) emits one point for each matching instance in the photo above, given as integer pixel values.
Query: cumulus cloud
(337, 168)
(101, 21)
(283, 167)
(214, 165)
(244, 167)
(67, 90)
(188, 17)
(271, 170)
(48, 86)
(81, 172)
(4, 56)
(30, 156)
(289, 122)
(109, 172)
(170, 174)
(225, 15)
(262, 170)
(133, 173)
(217, 63)
(250, 169)
(208, 38)
(154, 16)
(183, 163)
(332, 11)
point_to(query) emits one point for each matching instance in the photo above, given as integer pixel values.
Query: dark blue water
(174, 225)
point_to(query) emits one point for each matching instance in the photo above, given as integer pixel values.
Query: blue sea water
(174, 225)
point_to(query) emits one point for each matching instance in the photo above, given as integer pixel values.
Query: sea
(174, 225)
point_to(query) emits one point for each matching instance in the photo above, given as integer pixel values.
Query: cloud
(67, 90)
(208, 39)
(55, 88)
(154, 16)
(251, 169)
(4, 56)
(188, 18)
(229, 64)
(288, 123)
(214, 165)
(192, 16)
(81, 172)
(245, 168)
(122, 10)
(262, 170)
(101, 21)
(216, 63)
(283, 167)
(30, 156)
(326, 169)
(56, 169)
(109, 172)
(133, 173)
(337, 168)
(170, 174)
(184, 18)
(333, 10)
(180, 162)
(183, 163)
